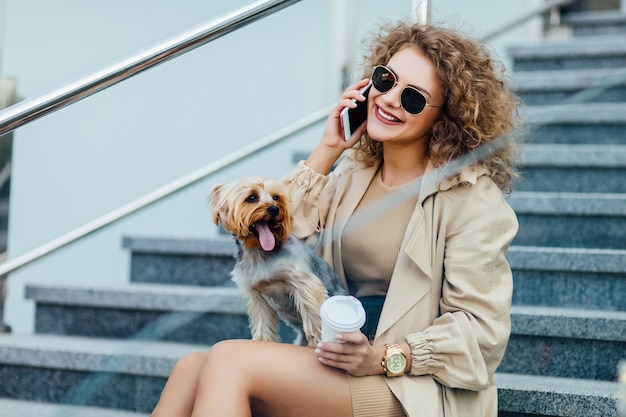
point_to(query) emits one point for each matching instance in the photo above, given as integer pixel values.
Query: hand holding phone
(351, 119)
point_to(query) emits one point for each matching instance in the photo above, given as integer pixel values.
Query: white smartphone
(351, 119)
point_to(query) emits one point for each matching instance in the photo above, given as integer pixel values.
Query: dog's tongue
(266, 238)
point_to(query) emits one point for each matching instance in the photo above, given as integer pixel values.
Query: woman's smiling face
(387, 121)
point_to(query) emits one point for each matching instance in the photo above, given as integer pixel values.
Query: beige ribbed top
(370, 245)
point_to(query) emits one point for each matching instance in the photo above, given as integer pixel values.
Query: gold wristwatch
(394, 361)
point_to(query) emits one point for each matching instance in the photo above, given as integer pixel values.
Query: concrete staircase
(569, 258)
(107, 351)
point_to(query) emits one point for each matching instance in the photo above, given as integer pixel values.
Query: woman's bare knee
(224, 384)
(228, 356)
(190, 362)
(179, 393)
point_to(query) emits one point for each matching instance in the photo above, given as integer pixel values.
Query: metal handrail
(164, 191)
(177, 185)
(47, 102)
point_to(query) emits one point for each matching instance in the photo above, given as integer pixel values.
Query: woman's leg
(272, 379)
(179, 393)
(275, 379)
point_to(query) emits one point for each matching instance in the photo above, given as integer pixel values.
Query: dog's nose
(272, 211)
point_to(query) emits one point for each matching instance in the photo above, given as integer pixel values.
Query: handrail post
(421, 12)
(3, 293)
(555, 16)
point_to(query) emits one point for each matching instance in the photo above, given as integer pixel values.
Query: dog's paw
(314, 337)
(313, 341)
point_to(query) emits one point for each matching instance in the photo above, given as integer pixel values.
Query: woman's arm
(310, 178)
(333, 143)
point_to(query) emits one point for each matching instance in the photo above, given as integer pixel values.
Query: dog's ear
(215, 197)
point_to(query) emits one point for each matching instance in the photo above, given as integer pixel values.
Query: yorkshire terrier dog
(283, 277)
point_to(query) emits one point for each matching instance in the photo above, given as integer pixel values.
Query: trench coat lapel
(352, 192)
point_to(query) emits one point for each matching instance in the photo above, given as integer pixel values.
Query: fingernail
(339, 336)
(317, 351)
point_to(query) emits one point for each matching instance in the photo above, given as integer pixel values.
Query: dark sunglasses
(412, 100)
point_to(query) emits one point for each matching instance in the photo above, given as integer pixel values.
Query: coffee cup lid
(343, 313)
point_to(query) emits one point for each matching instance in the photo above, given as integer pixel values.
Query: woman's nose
(392, 97)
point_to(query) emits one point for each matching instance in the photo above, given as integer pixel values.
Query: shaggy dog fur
(282, 277)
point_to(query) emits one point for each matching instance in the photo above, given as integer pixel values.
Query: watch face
(396, 363)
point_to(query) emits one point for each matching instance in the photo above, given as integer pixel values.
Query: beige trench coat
(450, 292)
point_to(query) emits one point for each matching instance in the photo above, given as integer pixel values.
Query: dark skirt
(373, 305)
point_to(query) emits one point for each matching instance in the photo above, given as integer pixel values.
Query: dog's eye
(276, 198)
(252, 198)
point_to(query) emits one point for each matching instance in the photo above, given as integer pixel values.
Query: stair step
(548, 219)
(567, 259)
(14, 408)
(569, 277)
(608, 23)
(571, 86)
(143, 297)
(579, 156)
(529, 395)
(565, 272)
(142, 312)
(184, 261)
(561, 342)
(566, 203)
(577, 123)
(119, 374)
(131, 357)
(573, 168)
(198, 315)
(584, 53)
(600, 325)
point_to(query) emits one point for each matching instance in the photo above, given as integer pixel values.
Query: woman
(431, 268)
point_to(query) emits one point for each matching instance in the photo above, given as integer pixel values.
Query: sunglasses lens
(412, 100)
(383, 79)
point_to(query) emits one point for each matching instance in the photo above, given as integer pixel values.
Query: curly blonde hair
(477, 106)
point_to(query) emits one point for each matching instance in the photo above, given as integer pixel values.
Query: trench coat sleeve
(313, 193)
(311, 196)
(465, 344)
(306, 185)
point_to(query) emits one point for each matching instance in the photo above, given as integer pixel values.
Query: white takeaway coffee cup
(341, 313)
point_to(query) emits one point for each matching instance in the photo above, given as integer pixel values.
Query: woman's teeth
(386, 116)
